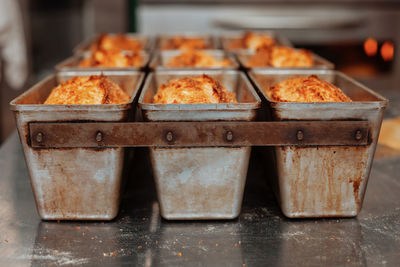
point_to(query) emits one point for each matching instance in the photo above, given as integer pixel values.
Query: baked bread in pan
(306, 89)
(196, 58)
(117, 42)
(87, 90)
(182, 43)
(253, 41)
(189, 90)
(112, 58)
(281, 56)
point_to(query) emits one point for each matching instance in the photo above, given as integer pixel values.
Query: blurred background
(361, 37)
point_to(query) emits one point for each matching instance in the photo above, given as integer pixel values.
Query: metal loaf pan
(244, 56)
(163, 38)
(323, 181)
(161, 58)
(208, 182)
(71, 63)
(226, 38)
(146, 41)
(74, 183)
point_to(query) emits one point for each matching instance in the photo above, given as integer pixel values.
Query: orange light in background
(371, 47)
(387, 51)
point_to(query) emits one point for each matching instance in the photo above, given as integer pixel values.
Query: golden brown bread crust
(281, 56)
(253, 41)
(189, 90)
(183, 43)
(112, 58)
(118, 42)
(196, 58)
(306, 89)
(87, 90)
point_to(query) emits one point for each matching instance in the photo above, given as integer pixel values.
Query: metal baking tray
(161, 58)
(323, 181)
(225, 38)
(206, 182)
(145, 40)
(161, 39)
(74, 183)
(71, 63)
(243, 56)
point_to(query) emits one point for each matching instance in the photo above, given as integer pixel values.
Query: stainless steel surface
(139, 237)
(197, 134)
(161, 58)
(200, 183)
(77, 183)
(225, 38)
(319, 62)
(324, 181)
(72, 63)
(161, 39)
(145, 40)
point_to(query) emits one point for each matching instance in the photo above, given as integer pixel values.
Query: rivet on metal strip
(99, 136)
(358, 135)
(169, 136)
(300, 135)
(229, 136)
(39, 137)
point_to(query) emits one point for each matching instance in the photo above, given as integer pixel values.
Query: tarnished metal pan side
(200, 183)
(319, 62)
(77, 183)
(161, 58)
(146, 41)
(72, 63)
(323, 181)
(161, 39)
(225, 38)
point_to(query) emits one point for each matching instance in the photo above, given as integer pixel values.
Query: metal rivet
(229, 136)
(358, 135)
(39, 137)
(300, 135)
(99, 136)
(169, 136)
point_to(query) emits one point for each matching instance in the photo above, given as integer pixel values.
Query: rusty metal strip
(198, 134)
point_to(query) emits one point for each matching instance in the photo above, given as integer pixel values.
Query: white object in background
(13, 44)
